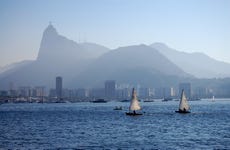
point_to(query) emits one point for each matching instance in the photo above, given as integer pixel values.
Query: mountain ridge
(90, 64)
(198, 64)
(124, 63)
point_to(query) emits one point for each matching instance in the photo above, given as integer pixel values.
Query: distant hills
(89, 65)
(139, 64)
(197, 64)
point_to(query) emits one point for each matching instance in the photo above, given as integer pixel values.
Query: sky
(185, 25)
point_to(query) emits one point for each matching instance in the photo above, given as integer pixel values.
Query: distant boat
(183, 106)
(195, 99)
(99, 101)
(167, 99)
(134, 105)
(151, 100)
(118, 108)
(125, 100)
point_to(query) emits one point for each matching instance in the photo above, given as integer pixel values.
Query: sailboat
(183, 107)
(134, 105)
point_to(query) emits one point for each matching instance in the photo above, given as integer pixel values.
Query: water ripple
(98, 126)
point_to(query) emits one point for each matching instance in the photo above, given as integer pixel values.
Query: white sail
(134, 105)
(183, 102)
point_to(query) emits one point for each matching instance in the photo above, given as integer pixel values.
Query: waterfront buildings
(110, 89)
(39, 91)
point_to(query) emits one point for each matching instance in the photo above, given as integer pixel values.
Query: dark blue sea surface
(98, 126)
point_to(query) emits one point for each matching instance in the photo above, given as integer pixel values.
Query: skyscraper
(187, 89)
(59, 87)
(110, 89)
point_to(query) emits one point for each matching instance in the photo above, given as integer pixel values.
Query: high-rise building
(12, 90)
(187, 89)
(172, 92)
(110, 89)
(123, 93)
(59, 87)
(200, 92)
(159, 92)
(52, 93)
(167, 92)
(24, 91)
(82, 93)
(39, 91)
(97, 93)
(3, 93)
(145, 92)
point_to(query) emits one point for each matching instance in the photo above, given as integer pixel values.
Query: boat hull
(99, 101)
(133, 114)
(182, 112)
(117, 108)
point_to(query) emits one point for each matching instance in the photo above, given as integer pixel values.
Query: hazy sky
(186, 25)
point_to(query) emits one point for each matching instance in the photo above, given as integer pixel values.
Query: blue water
(98, 126)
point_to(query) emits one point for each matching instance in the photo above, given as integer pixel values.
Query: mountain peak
(50, 30)
(58, 47)
(48, 41)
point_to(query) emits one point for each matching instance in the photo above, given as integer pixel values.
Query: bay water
(98, 126)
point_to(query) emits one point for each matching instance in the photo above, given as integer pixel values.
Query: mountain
(14, 66)
(58, 56)
(133, 64)
(89, 65)
(197, 64)
(61, 49)
(94, 50)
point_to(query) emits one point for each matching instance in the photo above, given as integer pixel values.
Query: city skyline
(112, 90)
(190, 26)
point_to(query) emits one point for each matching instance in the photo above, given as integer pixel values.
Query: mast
(134, 104)
(183, 102)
